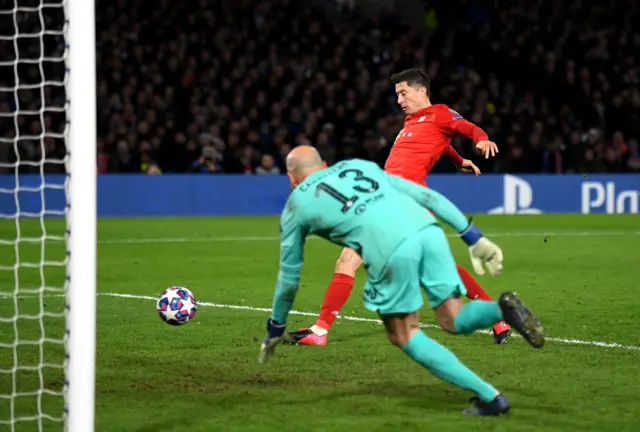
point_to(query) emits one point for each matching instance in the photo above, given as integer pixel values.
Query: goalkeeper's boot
(499, 406)
(309, 336)
(500, 333)
(518, 316)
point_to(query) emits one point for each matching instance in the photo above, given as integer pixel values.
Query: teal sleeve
(292, 238)
(432, 200)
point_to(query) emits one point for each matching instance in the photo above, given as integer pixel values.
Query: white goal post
(81, 218)
(47, 172)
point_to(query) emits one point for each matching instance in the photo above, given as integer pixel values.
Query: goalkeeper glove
(275, 335)
(482, 250)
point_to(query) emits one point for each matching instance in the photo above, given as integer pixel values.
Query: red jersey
(426, 136)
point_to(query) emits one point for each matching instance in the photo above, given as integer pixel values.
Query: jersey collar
(419, 113)
(311, 179)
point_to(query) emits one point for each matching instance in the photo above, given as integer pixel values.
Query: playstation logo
(518, 197)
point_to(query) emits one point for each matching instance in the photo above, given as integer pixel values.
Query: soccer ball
(176, 305)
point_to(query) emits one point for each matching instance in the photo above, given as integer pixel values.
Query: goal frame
(81, 215)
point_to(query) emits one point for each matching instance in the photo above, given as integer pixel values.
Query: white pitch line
(343, 317)
(222, 239)
(541, 233)
(189, 240)
(372, 320)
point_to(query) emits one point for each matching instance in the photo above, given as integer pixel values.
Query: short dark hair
(415, 78)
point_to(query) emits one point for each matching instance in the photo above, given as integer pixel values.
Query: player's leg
(443, 286)
(335, 297)
(476, 292)
(404, 332)
(456, 317)
(394, 295)
(444, 289)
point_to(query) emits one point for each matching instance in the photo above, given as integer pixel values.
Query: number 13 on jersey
(348, 201)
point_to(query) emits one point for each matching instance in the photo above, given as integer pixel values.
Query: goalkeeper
(356, 204)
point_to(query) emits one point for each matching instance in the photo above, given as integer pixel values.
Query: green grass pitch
(579, 273)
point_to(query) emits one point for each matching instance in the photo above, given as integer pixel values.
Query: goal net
(47, 215)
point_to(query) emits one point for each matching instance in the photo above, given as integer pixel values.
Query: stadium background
(557, 88)
(185, 88)
(229, 87)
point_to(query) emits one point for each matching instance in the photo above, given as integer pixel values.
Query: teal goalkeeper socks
(477, 314)
(443, 363)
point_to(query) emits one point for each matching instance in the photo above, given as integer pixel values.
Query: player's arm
(464, 165)
(453, 155)
(292, 239)
(432, 200)
(453, 123)
(480, 249)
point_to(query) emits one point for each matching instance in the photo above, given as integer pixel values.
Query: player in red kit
(426, 136)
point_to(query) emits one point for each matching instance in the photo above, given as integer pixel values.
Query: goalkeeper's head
(303, 161)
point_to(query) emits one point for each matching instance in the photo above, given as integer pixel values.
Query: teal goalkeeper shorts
(423, 260)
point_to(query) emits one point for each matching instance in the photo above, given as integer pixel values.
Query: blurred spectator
(103, 158)
(267, 166)
(207, 163)
(123, 161)
(633, 159)
(154, 169)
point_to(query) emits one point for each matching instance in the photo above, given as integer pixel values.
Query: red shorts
(419, 181)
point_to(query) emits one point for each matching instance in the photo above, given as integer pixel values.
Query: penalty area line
(373, 320)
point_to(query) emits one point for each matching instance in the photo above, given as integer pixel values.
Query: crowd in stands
(230, 86)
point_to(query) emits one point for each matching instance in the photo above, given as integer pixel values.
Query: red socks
(475, 291)
(335, 297)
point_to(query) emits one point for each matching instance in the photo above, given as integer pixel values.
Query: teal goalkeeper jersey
(358, 205)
